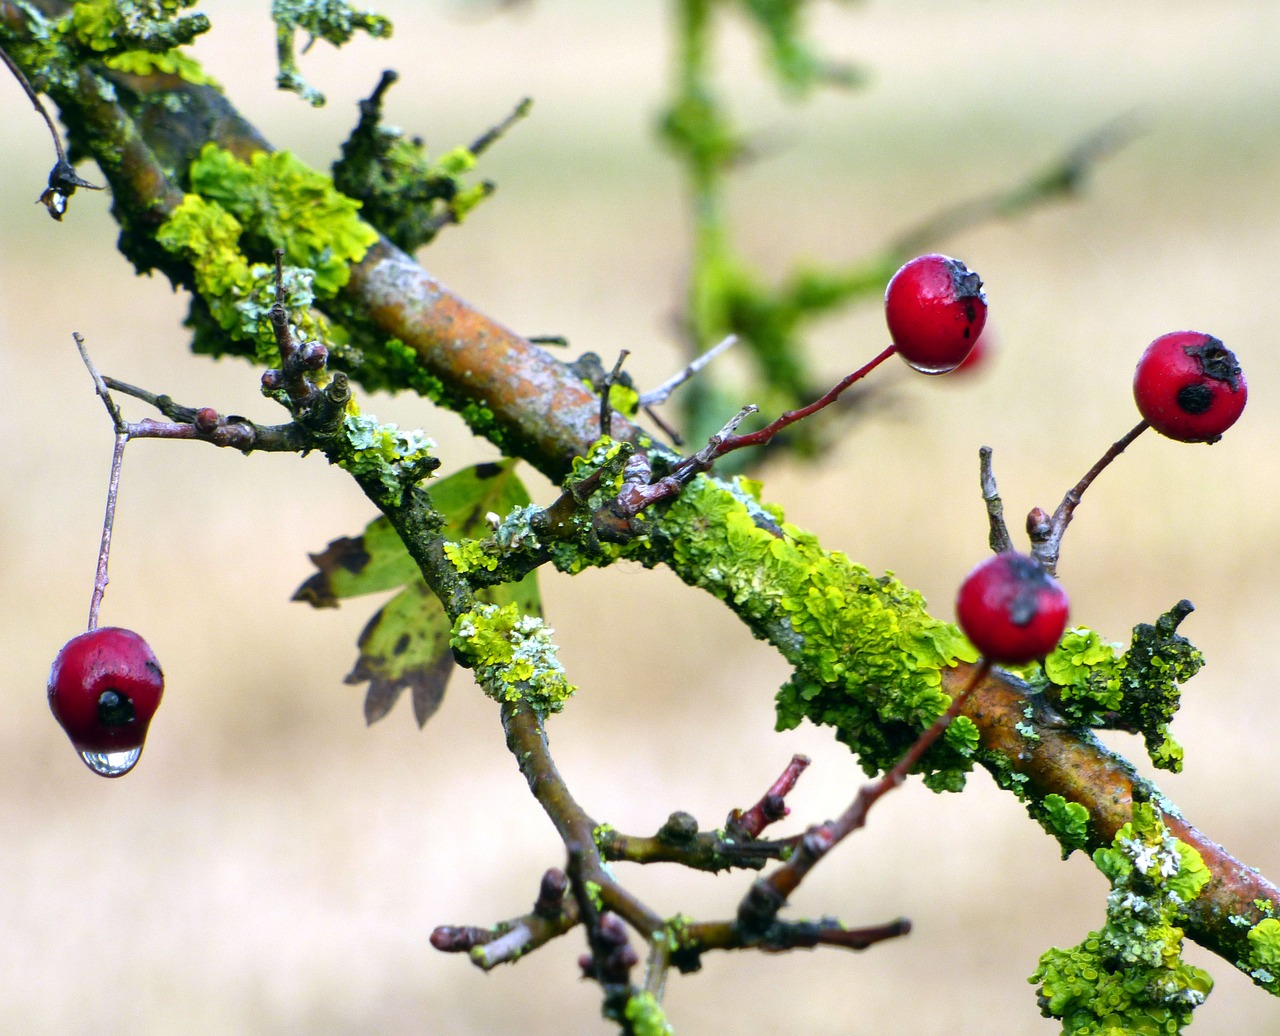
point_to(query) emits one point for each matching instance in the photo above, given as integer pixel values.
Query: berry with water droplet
(1012, 609)
(1189, 387)
(104, 687)
(935, 309)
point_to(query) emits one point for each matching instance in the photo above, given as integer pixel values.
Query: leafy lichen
(513, 656)
(1263, 963)
(1138, 690)
(1066, 821)
(1129, 977)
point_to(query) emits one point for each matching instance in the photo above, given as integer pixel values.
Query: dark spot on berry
(114, 709)
(970, 314)
(402, 645)
(966, 333)
(1217, 362)
(1195, 398)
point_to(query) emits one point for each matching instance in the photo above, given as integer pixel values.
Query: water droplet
(927, 369)
(111, 764)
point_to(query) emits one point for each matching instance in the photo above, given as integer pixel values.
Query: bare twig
(606, 390)
(999, 535)
(769, 894)
(662, 393)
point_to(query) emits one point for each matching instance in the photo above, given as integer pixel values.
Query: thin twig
(999, 534)
(634, 499)
(1046, 537)
(770, 893)
(662, 393)
(36, 103)
(606, 390)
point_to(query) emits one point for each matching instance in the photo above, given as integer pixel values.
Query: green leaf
(406, 644)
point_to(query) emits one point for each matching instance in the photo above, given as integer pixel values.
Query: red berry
(1189, 387)
(1012, 609)
(935, 308)
(104, 687)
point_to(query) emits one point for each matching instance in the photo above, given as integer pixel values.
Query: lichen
(1138, 690)
(1066, 821)
(513, 656)
(1263, 962)
(868, 657)
(333, 20)
(284, 204)
(1128, 977)
(115, 26)
(645, 1016)
(385, 453)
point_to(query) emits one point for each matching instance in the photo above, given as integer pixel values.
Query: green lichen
(282, 203)
(1066, 821)
(1263, 963)
(409, 197)
(395, 458)
(235, 294)
(645, 1016)
(513, 657)
(1128, 977)
(1138, 690)
(171, 62)
(116, 26)
(333, 20)
(868, 656)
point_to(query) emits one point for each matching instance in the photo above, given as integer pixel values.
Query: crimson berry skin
(104, 687)
(935, 308)
(1189, 387)
(1012, 609)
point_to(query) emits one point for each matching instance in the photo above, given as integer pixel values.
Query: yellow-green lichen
(1263, 963)
(171, 62)
(115, 26)
(283, 203)
(644, 1015)
(513, 656)
(1066, 821)
(1129, 977)
(1097, 686)
(868, 657)
(236, 294)
(386, 453)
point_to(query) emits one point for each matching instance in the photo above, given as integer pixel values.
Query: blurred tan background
(274, 867)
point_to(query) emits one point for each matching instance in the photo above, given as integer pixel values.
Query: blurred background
(272, 866)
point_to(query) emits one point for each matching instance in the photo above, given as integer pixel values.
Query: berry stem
(764, 435)
(635, 498)
(100, 578)
(778, 887)
(1046, 536)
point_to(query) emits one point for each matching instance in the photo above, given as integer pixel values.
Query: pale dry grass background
(274, 867)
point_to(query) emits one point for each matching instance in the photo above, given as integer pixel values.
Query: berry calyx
(1012, 609)
(1189, 387)
(935, 308)
(104, 687)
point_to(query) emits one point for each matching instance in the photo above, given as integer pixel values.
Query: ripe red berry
(935, 308)
(104, 687)
(1189, 387)
(1012, 609)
